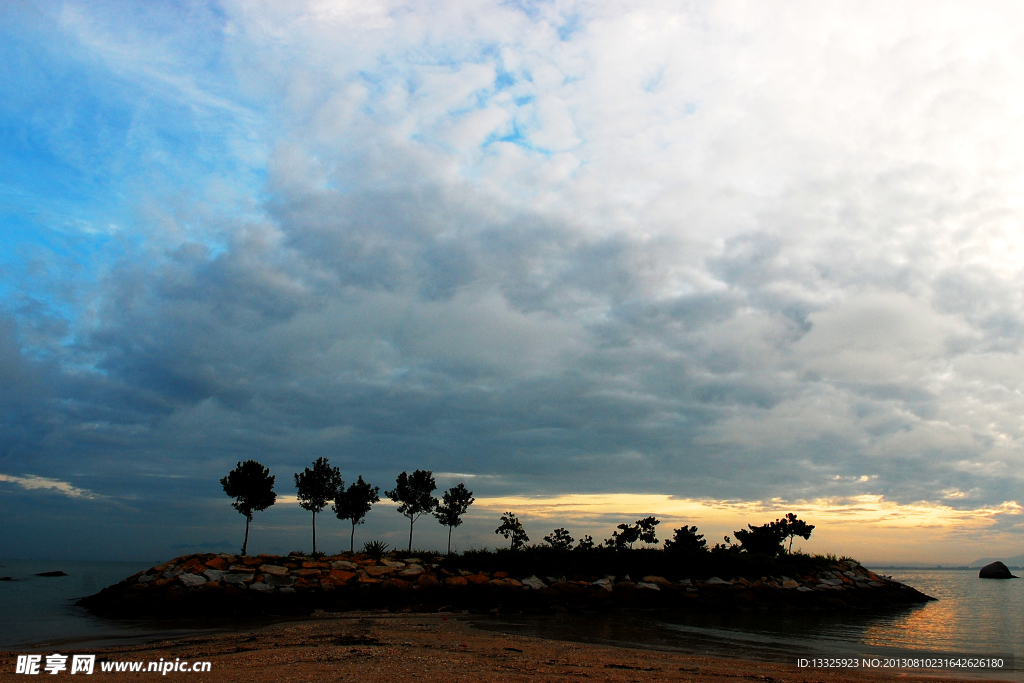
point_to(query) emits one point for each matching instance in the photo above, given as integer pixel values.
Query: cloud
(34, 483)
(719, 251)
(869, 527)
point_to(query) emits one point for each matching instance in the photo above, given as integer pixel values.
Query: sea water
(39, 612)
(971, 617)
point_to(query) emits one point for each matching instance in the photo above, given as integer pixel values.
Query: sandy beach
(425, 647)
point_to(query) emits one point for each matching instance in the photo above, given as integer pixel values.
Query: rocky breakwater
(228, 585)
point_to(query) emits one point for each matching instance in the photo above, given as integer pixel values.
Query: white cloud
(34, 483)
(766, 250)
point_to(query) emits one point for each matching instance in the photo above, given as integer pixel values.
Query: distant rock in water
(6, 578)
(996, 570)
(58, 573)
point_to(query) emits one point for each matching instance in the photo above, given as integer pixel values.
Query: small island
(481, 582)
(758, 571)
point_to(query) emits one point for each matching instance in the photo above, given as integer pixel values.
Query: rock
(790, 583)
(411, 570)
(6, 578)
(345, 565)
(277, 570)
(307, 573)
(218, 563)
(261, 587)
(237, 578)
(627, 586)
(506, 583)
(192, 580)
(604, 583)
(456, 581)
(804, 589)
(715, 581)
(396, 584)
(241, 569)
(193, 566)
(48, 574)
(478, 579)
(534, 583)
(378, 571)
(647, 585)
(557, 579)
(172, 572)
(426, 582)
(214, 574)
(685, 582)
(314, 565)
(146, 578)
(393, 563)
(657, 580)
(341, 576)
(996, 570)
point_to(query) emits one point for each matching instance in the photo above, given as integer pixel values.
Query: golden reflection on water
(971, 616)
(928, 626)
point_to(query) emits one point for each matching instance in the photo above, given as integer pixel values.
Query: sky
(709, 261)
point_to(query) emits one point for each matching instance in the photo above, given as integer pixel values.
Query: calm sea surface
(971, 617)
(38, 612)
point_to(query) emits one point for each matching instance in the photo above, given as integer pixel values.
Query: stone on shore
(996, 570)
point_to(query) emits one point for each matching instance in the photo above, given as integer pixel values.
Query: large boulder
(996, 570)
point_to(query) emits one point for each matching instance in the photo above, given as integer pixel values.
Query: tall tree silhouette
(512, 529)
(414, 495)
(454, 503)
(252, 487)
(354, 504)
(317, 487)
(790, 527)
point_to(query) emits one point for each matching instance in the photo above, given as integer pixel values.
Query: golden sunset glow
(867, 527)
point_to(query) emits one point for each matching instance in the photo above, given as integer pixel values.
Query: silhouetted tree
(512, 528)
(414, 494)
(727, 547)
(354, 504)
(559, 539)
(252, 487)
(317, 487)
(454, 503)
(765, 539)
(627, 535)
(586, 543)
(790, 527)
(686, 542)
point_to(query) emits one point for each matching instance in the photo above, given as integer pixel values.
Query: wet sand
(430, 647)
